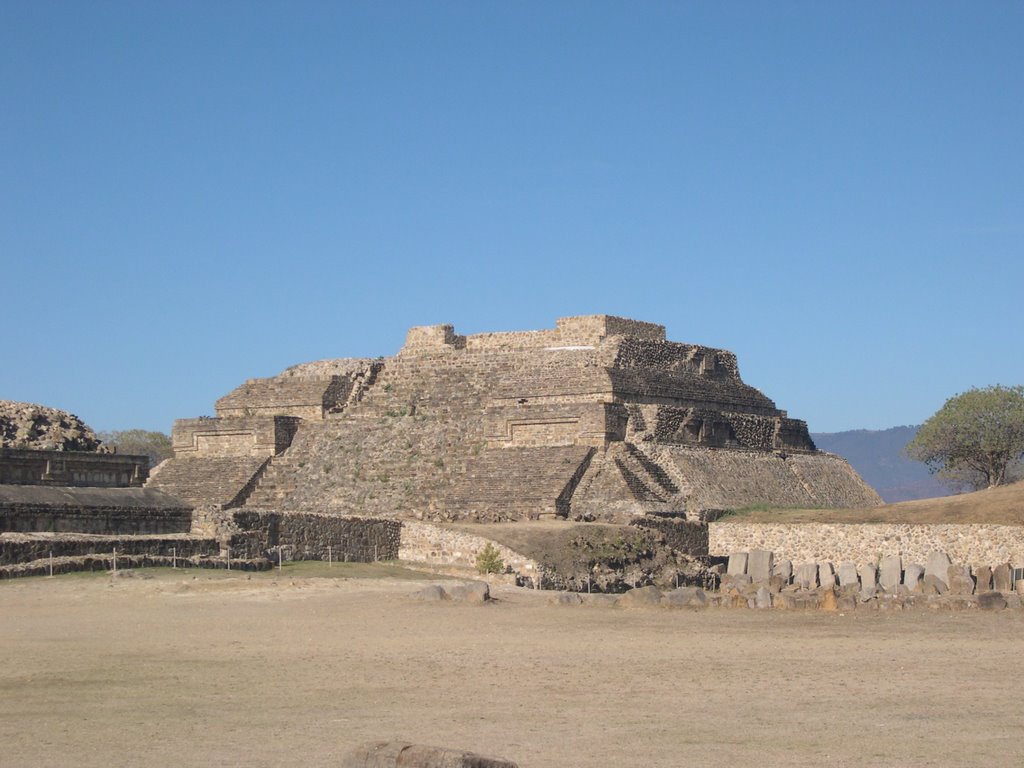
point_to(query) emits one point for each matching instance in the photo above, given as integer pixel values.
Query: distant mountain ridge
(877, 455)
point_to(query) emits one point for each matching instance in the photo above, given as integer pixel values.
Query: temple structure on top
(599, 418)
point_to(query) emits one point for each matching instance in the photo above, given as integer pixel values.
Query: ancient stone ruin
(29, 426)
(600, 418)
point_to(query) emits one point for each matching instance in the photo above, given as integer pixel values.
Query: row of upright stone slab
(890, 576)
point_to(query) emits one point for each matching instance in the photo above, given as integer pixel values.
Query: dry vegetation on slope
(997, 506)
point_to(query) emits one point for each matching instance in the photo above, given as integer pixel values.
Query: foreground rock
(475, 592)
(396, 754)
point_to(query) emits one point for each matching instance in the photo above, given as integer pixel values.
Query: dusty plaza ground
(201, 668)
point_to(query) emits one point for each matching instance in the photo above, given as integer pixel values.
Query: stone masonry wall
(307, 536)
(867, 543)
(433, 545)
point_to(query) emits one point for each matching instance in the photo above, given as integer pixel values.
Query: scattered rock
(642, 597)
(566, 598)
(991, 601)
(685, 597)
(429, 594)
(846, 603)
(400, 754)
(473, 592)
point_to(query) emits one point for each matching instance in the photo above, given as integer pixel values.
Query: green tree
(489, 561)
(975, 439)
(138, 442)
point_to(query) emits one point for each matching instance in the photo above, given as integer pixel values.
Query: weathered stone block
(685, 597)
(958, 577)
(737, 564)
(991, 601)
(890, 572)
(938, 566)
(826, 575)
(1002, 578)
(846, 603)
(759, 565)
(807, 576)
(784, 570)
(734, 583)
(868, 573)
(912, 576)
(848, 575)
(933, 585)
(982, 578)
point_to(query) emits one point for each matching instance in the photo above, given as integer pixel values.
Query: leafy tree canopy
(976, 439)
(139, 442)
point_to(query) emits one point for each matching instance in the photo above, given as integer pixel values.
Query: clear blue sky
(192, 194)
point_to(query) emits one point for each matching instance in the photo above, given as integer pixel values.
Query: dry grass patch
(994, 506)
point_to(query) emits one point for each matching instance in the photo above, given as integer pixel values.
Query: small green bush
(489, 561)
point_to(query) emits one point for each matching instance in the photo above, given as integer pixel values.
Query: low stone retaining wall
(23, 548)
(105, 562)
(113, 511)
(870, 542)
(312, 536)
(433, 545)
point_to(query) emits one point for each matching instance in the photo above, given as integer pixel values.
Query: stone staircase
(517, 483)
(625, 480)
(275, 483)
(213, 480)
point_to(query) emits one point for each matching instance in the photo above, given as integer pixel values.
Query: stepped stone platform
(599, 418)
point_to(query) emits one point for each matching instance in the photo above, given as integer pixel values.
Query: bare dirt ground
(172, 668)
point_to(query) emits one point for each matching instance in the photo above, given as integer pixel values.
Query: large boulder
(685, 597)
(474, 592)
(643, 597)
